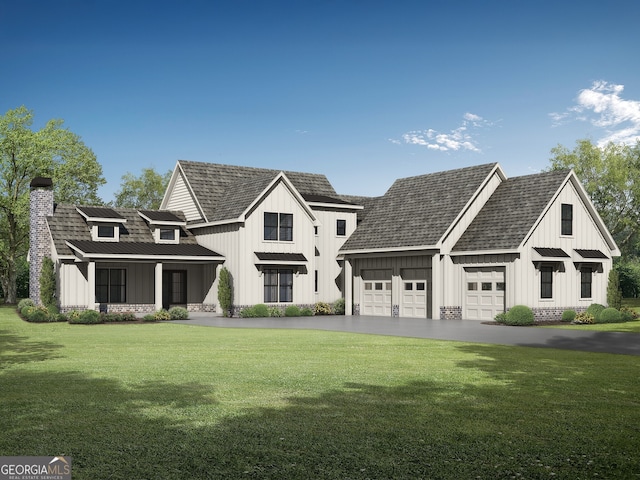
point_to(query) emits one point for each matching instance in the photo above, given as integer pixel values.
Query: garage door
(416, 293)
(377, 292)
(484, 293)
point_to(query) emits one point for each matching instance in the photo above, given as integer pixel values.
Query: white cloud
(602, 106)
(460, 138)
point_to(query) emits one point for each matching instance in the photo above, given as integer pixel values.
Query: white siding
(328, 243)
(566, 285)
(181, 199)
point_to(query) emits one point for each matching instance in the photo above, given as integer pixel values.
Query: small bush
(594, 309)
(609, 315)
(26, 311)
(628, 314)
(178, 313)
(88, 317)
(128, 317)
(501, 317)
(111, 317)
(306, 312)
(275, 312)
(519, 315)
(322, 308)
(247, 312)
(261, 310)
(25, 302)
(584, 318)
(60, 317)
(338, 307)
(162, 315)
(568, 315)
(149, 317)
(292, 311)
(39, 315)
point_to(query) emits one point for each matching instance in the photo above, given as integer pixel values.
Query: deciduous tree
(53, 151)
(145, 191)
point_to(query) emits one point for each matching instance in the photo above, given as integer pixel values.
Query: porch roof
(142, 251)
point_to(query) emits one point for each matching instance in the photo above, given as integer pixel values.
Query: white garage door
(416, 293)
(484, 293)
(377, 292)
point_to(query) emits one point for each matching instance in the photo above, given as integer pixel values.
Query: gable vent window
(106, 231)
(278, 226)
(567, 219)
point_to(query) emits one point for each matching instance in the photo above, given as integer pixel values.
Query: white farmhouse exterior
(466, 243)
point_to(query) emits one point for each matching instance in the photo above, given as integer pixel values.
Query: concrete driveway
(456, 330)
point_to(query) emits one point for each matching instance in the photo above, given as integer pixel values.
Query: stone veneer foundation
(450, 313)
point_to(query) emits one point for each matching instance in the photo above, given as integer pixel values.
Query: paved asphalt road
(456, 330)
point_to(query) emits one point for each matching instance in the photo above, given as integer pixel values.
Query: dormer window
(106, 231)
(167, 234)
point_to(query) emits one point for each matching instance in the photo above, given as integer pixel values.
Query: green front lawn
(167, 401)
(629, 327)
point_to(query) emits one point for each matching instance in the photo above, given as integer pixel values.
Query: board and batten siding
(73, 288)
(566, 285)
(237, 243)
(328, 243)
(182, 200)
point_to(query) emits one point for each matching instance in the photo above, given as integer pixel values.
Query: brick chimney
(40, 207)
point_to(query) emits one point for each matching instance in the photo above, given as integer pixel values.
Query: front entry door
(174, 288)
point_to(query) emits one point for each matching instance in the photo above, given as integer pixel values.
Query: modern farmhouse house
(465, 243)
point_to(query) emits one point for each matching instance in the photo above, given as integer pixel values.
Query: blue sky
(361, 91)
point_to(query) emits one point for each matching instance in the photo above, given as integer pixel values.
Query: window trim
(281, 291)
(109, 285)
(566, 219)
(96, 228)
(546, 271)
(277, 227)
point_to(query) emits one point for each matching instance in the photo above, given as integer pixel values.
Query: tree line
(610, 175)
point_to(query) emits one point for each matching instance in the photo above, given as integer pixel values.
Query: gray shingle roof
(225, 191)
(509, 214)
(416, 211)
(67, 224)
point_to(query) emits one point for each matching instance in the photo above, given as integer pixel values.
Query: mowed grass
(166, 401)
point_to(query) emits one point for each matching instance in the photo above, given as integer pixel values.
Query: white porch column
(91, 286)
(158, 286)
(348, 288)
(436, 286)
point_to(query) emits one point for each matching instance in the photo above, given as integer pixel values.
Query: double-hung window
(586, 279)
(341, 228)
(278, 226)
(546, 282)
(278, 285)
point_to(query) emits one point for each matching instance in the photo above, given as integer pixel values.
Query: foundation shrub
(609, 315)
(338, 307)
(25, 302)
(322, 308)
(39, 315)
(26, 311)
(178, 313)
(73, 315)
(501, 317)
(162, 315)
(306, 312)
(595, 309)
(88, 317)
(247, 312)
(519, 315)
(628, 314)
(261, 310)
(292, 311)
(584, 318)
(150, 317)
(568, 315)
(275, 312)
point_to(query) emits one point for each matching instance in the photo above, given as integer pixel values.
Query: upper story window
(567, 219)
(106, 231)
(168, 234)
(278, 226)
(341, 228)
